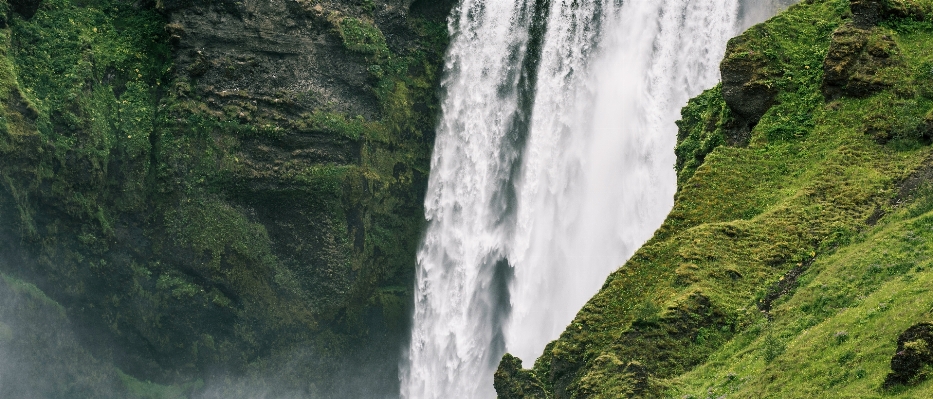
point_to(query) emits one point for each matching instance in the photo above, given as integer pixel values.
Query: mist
(43, 354)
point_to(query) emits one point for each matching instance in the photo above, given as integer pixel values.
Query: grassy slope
(685, 308)
(835, 335)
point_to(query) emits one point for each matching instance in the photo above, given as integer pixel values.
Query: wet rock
(240, 53)
(867, 13)
(856, 61)
(914, 351)
(513, 382)
(435, 9)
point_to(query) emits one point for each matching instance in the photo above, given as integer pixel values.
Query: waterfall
(456, 337)
(553, 163)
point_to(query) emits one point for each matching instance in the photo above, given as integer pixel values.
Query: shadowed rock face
(266, 52)
(278, 206)
(276, 62)
(914, 351)
(747, 84)
(26, 8)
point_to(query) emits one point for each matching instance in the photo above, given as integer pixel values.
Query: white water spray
(452, 347)
(528, 214)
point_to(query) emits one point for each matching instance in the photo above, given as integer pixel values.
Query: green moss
(362, 36)
(872, 290)
(180, 287)
(214, 227)
(700, 130)
(354, 128)
(72, 63)
(394, 166)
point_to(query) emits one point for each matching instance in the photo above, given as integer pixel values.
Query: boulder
(867, 13)
(747, 84)
(914, 351)
(855, 61)
(513, 382)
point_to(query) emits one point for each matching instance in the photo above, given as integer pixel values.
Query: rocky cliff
(797, 259)
(212, 198)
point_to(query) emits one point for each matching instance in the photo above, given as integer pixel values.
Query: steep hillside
(221, 197)
(797, 259)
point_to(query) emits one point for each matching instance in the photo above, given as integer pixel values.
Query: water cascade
(552, 165)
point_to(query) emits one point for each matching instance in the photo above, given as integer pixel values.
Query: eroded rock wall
(219, 191)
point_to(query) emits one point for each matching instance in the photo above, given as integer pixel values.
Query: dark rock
(747, 84)
(867, 13)
(854, 61)
(252, 75)
(434, 9)
(911, 9)
(914, 351)
(513, 382)
(255, 51)
(26, 8)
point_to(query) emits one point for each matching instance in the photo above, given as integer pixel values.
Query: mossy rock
(860, 62)
(513, 382)
(914, 352)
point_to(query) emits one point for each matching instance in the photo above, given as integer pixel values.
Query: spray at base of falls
(553, 162)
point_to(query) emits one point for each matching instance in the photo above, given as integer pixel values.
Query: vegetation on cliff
(202, 201)
(797, 259)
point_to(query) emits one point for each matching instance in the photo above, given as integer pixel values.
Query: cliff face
(796, 261)
(207, 189)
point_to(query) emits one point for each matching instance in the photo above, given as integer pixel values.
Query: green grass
(839, 328)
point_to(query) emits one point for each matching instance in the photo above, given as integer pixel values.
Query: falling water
(553, 163)
(456, 337)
